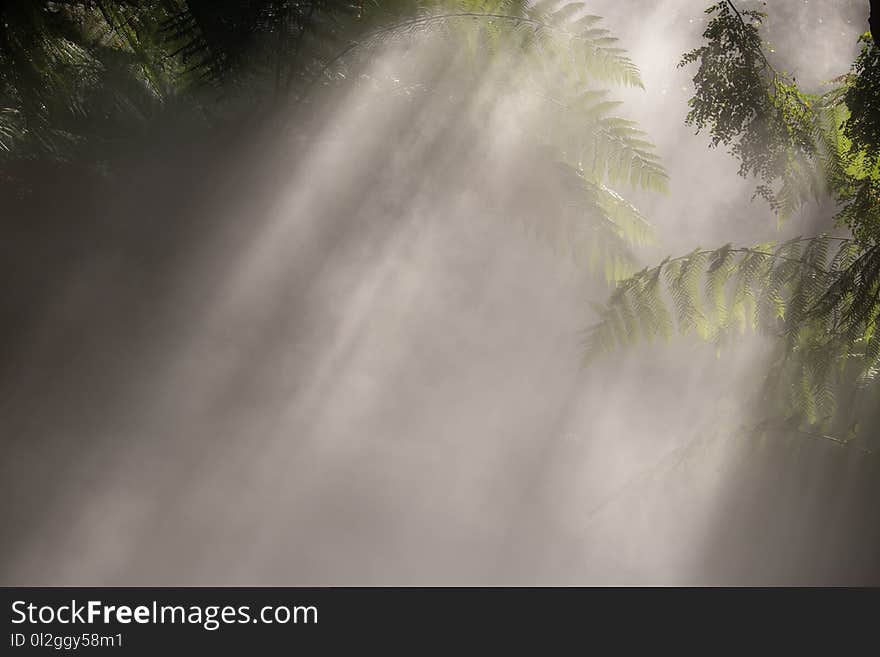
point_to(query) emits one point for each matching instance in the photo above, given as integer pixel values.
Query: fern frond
(826, 307)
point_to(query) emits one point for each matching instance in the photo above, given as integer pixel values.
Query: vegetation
(83, 82)
(817, 297)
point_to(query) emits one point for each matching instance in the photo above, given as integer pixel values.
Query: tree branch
(874, 21)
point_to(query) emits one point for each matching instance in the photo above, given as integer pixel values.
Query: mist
(344, 347)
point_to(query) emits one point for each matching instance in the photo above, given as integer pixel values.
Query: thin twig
(760, 51)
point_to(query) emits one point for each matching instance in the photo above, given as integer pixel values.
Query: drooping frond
(606, 147)
(558, 54)
(588, 221)
(821, 303)
(560, 31)
(570, 28)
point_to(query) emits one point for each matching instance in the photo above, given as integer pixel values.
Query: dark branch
(874, 21)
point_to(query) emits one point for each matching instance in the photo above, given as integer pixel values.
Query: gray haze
(331, 362)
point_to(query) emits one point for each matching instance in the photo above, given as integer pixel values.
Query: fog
(354, 357)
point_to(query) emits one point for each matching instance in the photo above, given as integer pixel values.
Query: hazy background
(332, 362)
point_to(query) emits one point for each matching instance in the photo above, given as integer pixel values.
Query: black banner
(185, 620)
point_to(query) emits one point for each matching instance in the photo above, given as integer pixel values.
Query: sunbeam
(338, 338)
